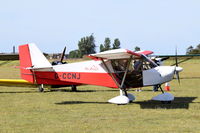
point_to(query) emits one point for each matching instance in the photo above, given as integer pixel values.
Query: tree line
(192, 50)
(86, 46)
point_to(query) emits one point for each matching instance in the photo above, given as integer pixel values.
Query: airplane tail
(31, 58)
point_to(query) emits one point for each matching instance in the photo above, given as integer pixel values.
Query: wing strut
(109, 72)
(120, 86)
(122, 98)
(124, 77)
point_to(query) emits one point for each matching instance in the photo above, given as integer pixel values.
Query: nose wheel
(165, 97)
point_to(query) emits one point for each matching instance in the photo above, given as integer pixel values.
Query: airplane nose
(179, 69)
(166, 71)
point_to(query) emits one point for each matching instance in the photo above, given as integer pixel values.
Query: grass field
(25, 110)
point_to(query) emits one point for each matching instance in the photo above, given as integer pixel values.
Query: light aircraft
(119, 68)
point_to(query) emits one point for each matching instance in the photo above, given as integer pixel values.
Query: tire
(41, 89)
(74, 89)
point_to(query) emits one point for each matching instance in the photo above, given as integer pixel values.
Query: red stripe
(94, 57)
(133, 53)
(146, 52)
(63, 78)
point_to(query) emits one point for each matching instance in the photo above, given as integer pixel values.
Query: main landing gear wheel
(41, 88)
(122, 99)
(74, 89)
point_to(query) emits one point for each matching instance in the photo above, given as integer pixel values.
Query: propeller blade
(63, 54)
(176, 72)
(176, 59)
(177, 76)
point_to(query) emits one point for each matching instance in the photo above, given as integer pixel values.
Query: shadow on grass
(80, 102)
(178, 103)
(79, 91)
(18, 92)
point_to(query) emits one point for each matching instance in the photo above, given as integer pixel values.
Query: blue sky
(157, 25)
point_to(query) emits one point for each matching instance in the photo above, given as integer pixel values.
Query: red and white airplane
(119, 68)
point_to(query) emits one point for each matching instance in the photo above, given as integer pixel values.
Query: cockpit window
(119, 65)
(134, 73)
(137, 64)
(148, 62)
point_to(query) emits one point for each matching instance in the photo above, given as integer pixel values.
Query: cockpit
(134, 67)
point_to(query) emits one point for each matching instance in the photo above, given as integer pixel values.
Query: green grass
(25, 110)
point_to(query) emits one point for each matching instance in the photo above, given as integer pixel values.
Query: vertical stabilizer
(31, 56)
(37, 57)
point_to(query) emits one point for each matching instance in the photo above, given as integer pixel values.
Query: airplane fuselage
(94, 73)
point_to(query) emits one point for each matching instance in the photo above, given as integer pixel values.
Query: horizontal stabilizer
(37, 68)
(16, 82)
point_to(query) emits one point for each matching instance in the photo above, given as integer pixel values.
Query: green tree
(191, 50)
(101, 48)
(195, 51)
(87, 45)
(74, 54)
(116, 44)
(137, 48)
(107, 44)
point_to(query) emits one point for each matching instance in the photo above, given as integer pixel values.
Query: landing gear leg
(41, 88)
(74, 89)
(159, 86)
(122, 98)
(125, 92)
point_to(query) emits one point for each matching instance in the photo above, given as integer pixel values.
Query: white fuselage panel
(86, 66)
(158, 75)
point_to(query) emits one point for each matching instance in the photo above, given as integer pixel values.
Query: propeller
(61, 60)
(63, 55)
(177, 68)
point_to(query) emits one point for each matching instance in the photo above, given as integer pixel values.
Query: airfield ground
(25, 110)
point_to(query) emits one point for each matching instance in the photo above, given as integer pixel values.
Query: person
(137, 65)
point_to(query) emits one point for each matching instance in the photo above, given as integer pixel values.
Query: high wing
(16, 82)
(182, 58)
(118, 54)
(189, 55)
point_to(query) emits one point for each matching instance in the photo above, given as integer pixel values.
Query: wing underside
(119, 54)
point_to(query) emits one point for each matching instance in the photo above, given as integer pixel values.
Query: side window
(119, 65)
(137, 65)
(142, 64)
(148, 63)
